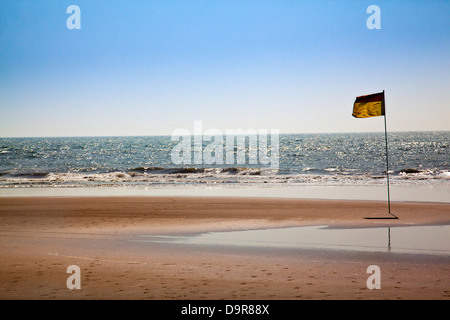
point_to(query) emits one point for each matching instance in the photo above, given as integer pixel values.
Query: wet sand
(42, 236)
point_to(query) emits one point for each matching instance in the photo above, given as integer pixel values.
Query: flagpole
(387, 166)
(387, 157)
(368, 106)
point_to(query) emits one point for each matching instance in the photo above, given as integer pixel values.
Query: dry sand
(42, 236)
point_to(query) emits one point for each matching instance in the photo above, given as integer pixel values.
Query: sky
(151, 67)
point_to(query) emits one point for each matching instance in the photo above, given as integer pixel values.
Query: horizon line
(168, 135)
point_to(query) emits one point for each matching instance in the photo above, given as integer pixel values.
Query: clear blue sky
(150, 67)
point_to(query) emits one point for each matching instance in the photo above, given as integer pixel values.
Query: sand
(42, 236)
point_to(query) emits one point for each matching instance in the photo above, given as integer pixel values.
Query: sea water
(415, 158)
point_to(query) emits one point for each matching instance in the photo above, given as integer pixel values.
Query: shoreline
(399, 193)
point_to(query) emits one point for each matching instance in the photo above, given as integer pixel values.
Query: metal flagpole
(387, 166)
(387, 159)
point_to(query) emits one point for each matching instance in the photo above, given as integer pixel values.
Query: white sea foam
(243, 177)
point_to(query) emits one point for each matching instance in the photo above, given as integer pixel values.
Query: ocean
(301, 159)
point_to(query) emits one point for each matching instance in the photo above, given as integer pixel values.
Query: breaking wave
(157, 176)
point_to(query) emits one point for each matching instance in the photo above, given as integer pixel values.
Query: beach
(42, 236)
(246, 151)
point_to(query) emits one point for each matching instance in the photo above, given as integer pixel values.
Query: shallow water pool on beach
(434, 240)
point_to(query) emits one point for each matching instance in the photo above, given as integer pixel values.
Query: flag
(368, 106)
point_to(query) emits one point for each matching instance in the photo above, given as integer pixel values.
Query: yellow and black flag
(368, 106)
